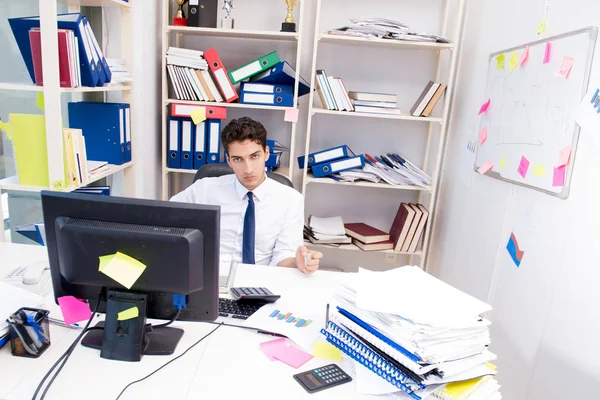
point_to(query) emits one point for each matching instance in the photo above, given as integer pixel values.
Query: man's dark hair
(241, 129)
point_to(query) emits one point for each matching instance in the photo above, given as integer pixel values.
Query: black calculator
(322, 378)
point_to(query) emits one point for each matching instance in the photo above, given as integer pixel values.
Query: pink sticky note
(564, 155)
(559, 176)
(291, 115)
(484, 106)
(292, 356)
(565, 67)
(74, 310)
(486, 167)
(525, 55)
(483, 135)
(271, 347)
(523, 167)
(547, 53)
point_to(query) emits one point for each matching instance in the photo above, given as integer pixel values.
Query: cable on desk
(168, 362)
(170, 322)
(65, 356)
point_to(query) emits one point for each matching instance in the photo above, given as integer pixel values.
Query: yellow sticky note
(58, 185)
(5, 127)
(513, 61)
(40, 101)
(198, 115)
(502, 162)
(539, 170)
(541, 27)
(122, 268)
(327, 350)
(500, 60)
(130, 313)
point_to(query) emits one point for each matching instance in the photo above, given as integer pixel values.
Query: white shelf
(388, 43)
(317, 110)
(352, 247)
(96, 3)
(12, 182)
(329, 181)
(30, 87)
(225, 104)
(234, 33)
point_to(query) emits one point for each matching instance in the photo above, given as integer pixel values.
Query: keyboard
(233, 309)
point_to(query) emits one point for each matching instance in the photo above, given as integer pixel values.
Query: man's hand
(311, 264)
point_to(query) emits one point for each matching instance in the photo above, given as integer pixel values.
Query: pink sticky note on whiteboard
(565, 67)
(485, 167)
(564, 155)
(547, 53)
(483, 135)
(291, 115)
(559, 176)
(484, 106)
(523, 167)
(525, 55)
(74, 310)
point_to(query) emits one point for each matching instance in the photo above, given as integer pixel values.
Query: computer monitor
(178, 243)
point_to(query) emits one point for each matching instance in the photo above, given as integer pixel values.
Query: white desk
(227, 365)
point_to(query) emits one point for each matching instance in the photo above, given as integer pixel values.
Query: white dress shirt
(278, 210)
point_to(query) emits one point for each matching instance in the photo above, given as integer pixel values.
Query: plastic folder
(271, 88)
(127, 128)
(283, 100)
(329, 168)
(274, 159)
(213, 140)
(29, 141)
(334, 153)
(254, 67)
(282, 74)
(102, 60)
(185, 110)
(200, 144)
(220, 75)
(174, 143)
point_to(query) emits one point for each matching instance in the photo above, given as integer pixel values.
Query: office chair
(214, 170)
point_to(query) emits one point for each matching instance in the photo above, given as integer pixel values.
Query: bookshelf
(53, 95)
(175, 35)
(430, 132)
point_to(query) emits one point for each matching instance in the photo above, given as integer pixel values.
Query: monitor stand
(128, 340)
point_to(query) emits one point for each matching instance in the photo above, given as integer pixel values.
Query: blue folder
(213, 141)
(187, 143)
(102, 64)
(174, 143)
(334, 153)
(337, 166)
(259, 87)
(274, 159)
(269, 99)
(74, 22)
(127, 130)
(199, 144)
(282, 74)
(102, 125)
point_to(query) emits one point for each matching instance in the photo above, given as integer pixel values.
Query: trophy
(289, 25)
(180, 19)
(227, 20)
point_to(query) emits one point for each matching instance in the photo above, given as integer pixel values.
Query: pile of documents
(326, 230)
(119, 71)
(408, 334)
(390, 168)
(384, 29)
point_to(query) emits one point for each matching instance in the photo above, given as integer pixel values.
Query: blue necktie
(248, 238)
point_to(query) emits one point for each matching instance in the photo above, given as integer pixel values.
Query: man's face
(247, 159)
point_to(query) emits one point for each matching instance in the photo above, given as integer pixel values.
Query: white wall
(545, 317)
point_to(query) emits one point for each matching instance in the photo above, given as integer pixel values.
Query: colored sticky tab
(559, 176)
(500, 59)
(198, 115)
(130, 313)
(525, 55)
(327, 350)
(564, 155)
(122, 268)
(539, 170)
(483, 135)
(58, 185)
(502, 162)
(39, 102)
(486, 167)
(291, 115)
(5, 127)
(270, 347)
(547, 53)
(513, 61)
(541, 27)
(523, 167)
(565, 67)
(74, 310)
(513, 249)
(484, 107)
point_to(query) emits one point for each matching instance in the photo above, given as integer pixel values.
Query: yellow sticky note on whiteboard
(513, 61)
(198, 115)
(502, 162)
(500, 58)
(541, 27)
(539, 170)
(122, 268)
(130, 313)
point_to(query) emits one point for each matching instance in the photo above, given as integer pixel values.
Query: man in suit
(261, 219)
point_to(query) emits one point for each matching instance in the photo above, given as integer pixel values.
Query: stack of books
(394, 343)
(188, 71)
(377, 103)
(368, 238)
(326, 230)
(428, 99)
(408, 227)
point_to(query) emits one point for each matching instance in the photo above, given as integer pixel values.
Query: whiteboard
(531, 114)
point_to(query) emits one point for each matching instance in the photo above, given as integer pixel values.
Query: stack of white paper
(384, 29)
(330, 228)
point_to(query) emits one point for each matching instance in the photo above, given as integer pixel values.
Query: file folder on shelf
(274, 159)
(274, 146)
(334, 167)
(174, 152)
(200, 144)
(322, 156)
(128, 156)
(220, 75)
(211, 112)
(271, 88)
(213, 140)
(102, 60)
(283, 100)
(254, 67)
(282, 74)
(187, 161)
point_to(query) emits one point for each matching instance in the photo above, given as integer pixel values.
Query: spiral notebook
(358, 351)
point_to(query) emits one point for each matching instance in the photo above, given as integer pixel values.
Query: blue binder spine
(200, 144)
(328, 168)
(272, 88)
(213, 140)
(334, 153)
(87, 34)
(102, 59)
(279, 99)
(282, 74)
(122, 129)
(187, 161)
(174, 152)
(128, 156)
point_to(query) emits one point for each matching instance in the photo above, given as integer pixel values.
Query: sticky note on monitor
(122, 268)
(73, 309)
(130, 313)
